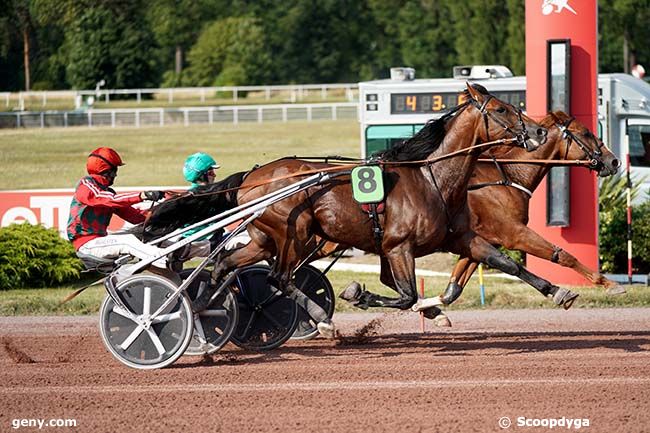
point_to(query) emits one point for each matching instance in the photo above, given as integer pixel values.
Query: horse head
(502, 120)
(578, 142)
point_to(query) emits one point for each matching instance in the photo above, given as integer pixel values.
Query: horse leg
(526, 240)
(290, 251)
(401, 264)
(480, 250)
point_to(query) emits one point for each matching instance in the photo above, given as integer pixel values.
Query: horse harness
(505, 181)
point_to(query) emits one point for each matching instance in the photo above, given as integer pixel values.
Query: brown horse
(499, 196)
(426, 206)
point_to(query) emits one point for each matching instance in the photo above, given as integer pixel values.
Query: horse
(499, 195)
(426, 206)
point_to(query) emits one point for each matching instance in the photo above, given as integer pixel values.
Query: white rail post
(137, 118)
(268, 93)
(186, 118)
(44, 98)
(7, 99)
(211, 115)
(202, 94)
(235, 116)
(113, 119)
(333, 112)
(90, 118)
(139, 96)
(323, 92)
(309, 113)
(259, 114)
(235, 94)
(65, 119)
(42, 119)
(17, 120)
(284, 114)
(170, 96)
(161, 120)
(107, 98)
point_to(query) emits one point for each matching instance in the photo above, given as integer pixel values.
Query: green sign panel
(368, 184)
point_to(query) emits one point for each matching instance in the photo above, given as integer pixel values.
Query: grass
(500, 294)
(55, 158)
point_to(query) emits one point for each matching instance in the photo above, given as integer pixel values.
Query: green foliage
(613, 227)
(232, 51)
(130, 43)
(34, 256)
(107, 44)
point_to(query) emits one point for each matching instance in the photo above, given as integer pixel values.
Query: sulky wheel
(135, 338)
(214, 326)
(267, 318)
(316, 286)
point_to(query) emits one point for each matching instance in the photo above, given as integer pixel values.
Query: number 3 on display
(367, 184)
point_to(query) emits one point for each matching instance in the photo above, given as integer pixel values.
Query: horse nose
(615, 163)
(541, 132)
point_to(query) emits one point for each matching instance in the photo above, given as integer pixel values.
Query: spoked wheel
(134, 337)
(317, 287)
(267, 318)
(214, 326)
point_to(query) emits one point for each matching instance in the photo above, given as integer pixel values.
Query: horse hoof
(442, 321)
(438, 318)
(327, 329)
(426, 304)
(352, 292)
(565, 298)
(616, 290)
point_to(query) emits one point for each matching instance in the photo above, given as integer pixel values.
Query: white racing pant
(113, 246)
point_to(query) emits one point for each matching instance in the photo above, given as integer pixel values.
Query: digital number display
(416, 103)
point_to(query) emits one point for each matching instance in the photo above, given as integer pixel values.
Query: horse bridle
(594, 156)
(521, 137)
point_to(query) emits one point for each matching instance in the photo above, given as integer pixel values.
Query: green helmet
(196, 165)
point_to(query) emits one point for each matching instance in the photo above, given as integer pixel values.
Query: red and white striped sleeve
(89, 194)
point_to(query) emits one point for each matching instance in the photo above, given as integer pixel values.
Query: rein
(577, 162)
(343, 167)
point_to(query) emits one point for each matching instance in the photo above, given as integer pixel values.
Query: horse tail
(194, 206)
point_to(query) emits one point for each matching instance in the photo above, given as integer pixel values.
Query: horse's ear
(473, 92)
(561, 116)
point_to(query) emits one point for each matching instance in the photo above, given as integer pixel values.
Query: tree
(231, 51)
(426, 42)
(111, 42)
(516, 39)
(623, 34)
(176, 25)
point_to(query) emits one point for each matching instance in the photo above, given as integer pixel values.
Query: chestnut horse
(426, 205)
(499, 195)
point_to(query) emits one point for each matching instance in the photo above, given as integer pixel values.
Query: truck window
(639, 145)
(382, 137)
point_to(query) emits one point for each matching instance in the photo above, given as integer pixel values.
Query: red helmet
(102, 159)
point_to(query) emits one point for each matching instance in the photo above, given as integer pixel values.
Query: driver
(95, 202)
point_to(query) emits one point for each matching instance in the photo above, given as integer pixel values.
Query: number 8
(367, 183)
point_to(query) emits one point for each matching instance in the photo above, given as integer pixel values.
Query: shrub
(34, 256)
(613, 227)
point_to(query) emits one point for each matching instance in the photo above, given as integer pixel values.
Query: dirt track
(586, 364)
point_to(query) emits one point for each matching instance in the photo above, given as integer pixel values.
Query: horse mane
(425, 141)
(554, 117)
(193, 206)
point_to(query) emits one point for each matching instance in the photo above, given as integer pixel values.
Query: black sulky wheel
(137, 339)
(313, 283)
(214, 326)
(267, 318)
